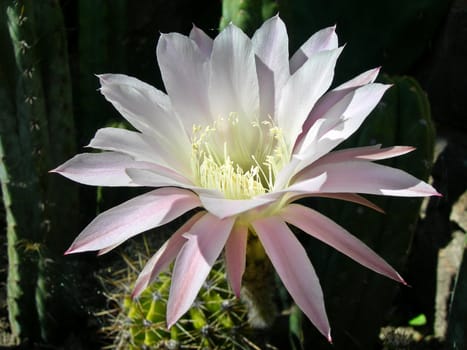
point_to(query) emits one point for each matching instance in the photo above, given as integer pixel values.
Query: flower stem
(258, 285)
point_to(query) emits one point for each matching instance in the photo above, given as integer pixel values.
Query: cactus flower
(241, 132)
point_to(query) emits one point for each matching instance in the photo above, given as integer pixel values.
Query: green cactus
(36, 132)
(357, 309)
(394, 34)
(247, 15)
(217, 319)
(102, 28)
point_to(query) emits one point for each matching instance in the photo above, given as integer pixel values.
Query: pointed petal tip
(402, 280)
(103, 78)
(136, 292)
(170, 322)
(69, 251)
(329, 338)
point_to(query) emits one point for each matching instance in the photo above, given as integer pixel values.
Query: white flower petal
(325, 39)
(368, 153)
(146, 108)
(203, 41)
(184, 69)
(234, 84)
(340, 122)
(223, 208)
(364, 78)
(295, 270)
(206, 239)
(139, 214)
(362, 176)
(303, 89)
(100, 169)
(270, 43)
(127, 142)
(331, 98)
(150, 111)
(150, 178)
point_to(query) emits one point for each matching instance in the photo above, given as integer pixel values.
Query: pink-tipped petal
(352, 197)
(151, 112)
(326, 230)
(364, 78)
(157, 178)
(108, 249)
(184, 69)
(303, 89)
(294, 268)
(332, 97)
(139, 214)
(235, 255)
(164, 256)
(205, 241)
(146, 108)
(270, 43)
(222, 207)
(310, 185)
(368, 153)
(123, 141)
(203, 40)
(325, 39)
(140, 147)
(360, 176)
(233, 84)
(340, 122)
(348, 197)
(100, 169)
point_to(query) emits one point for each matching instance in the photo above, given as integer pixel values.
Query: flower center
(241, 160)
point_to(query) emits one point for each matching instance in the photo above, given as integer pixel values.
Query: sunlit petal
(325, 39)
(270, 43)
(366, 177)
(139, 214)
(303, 89)
(203, 41)
(164, 256)
(100, 169)
(326, 230)
(295, 270)
(205, 241)
(184, 69)
(235, 256)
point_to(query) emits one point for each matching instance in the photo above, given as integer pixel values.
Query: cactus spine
(36, 132)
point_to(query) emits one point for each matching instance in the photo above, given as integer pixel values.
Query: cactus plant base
(217, 319)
